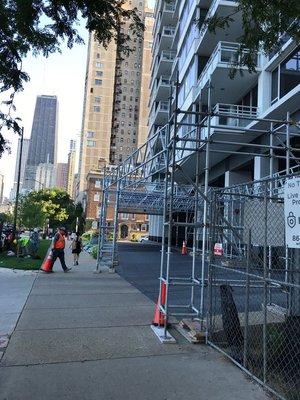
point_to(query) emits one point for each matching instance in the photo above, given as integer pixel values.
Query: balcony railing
(163, 81)
(163, 106)
(169, 7)
(225, 53)
(159, 16)
(234, 114)
(166, 55)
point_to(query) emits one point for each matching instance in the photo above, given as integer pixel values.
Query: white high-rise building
(186, 50)
(45, 176)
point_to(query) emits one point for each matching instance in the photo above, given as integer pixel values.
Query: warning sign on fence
(292, 212)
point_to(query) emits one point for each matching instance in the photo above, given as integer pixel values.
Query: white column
(262, 167)
(236, 177)
(264, 86)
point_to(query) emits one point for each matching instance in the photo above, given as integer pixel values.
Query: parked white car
(144, 239)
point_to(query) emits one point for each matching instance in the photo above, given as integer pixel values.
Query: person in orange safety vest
(58, 248)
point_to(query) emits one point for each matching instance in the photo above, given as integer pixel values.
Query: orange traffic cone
(159, 318)
(48, 263)
(183, 249)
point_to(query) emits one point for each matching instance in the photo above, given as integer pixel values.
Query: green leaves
(53, 204)
(264, 23)
(39, 26)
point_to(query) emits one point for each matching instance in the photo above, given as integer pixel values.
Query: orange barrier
(159, 317)
(184, 249)
(48, 263)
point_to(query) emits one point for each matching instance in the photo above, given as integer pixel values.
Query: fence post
(209, 312)
(246, 329)
(265, 275)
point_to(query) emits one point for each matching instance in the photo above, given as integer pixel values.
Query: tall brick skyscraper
(115, 111)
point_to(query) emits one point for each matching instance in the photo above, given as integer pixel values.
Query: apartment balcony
(160, 114)
(164, 62)
(176, 8)
(161, 90)
(224, 140)
(165, 38)
(217, 69)
(207, 40)
(164, 16)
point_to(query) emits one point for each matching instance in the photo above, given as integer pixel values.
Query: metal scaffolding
(170, 174)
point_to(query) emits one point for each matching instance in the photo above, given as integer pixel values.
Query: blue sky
(61, 75)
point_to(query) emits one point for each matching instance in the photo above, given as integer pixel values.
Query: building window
(91, 143)
(99, 64)
(96, 108)
(144, 228)
(90, 134)
(286, 76)
(98, 82)
(97, 197)
(98, 99)
(124, 216)
(132, 216)
(97, 184)
(99, 73)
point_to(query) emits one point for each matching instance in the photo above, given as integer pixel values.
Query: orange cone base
(47, 265)
(159, 317)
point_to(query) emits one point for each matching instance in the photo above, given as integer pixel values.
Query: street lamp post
(18, 185)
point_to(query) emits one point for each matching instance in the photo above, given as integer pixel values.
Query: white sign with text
(292, 212)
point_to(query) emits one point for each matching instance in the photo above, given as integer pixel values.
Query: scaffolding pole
(161, 160)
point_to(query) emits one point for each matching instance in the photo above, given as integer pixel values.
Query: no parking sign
(218, 249)
(292, 212)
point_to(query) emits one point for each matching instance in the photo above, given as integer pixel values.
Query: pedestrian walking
(76, 248)
(34, 243)
(58, 248)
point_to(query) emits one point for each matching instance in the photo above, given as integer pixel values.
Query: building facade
(45, 176)
(23, 165)
(61, 175)
(186, 51)
(43, 140)
(130, 226)
(115, 111)
(71, 168)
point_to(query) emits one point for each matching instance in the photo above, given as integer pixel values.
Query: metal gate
(254, 285)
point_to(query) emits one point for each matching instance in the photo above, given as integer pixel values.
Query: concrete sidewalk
(86, 336)
(15, 286)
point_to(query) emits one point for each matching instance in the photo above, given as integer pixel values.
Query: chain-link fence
(254, 284)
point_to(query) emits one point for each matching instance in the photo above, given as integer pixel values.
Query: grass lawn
(25, 263)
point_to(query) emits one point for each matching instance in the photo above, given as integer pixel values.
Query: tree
(52, 204)
(264, 23)
(39, 26)
(31, 214)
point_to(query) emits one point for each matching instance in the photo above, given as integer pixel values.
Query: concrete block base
(160, 333)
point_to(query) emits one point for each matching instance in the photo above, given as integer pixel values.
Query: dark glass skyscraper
(42, 147)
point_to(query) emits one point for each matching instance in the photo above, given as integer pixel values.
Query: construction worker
(58, 248)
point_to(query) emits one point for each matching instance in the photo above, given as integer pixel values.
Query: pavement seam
(96, 359)
(88, 294)
(81, 327)
(79, 308)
